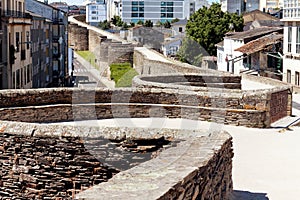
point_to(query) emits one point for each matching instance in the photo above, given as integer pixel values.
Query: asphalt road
(85, 73)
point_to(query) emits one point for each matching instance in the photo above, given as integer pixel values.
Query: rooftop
(257, 15)
(260, 43)
(251, 34)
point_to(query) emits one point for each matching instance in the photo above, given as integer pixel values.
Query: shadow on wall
(245, 195)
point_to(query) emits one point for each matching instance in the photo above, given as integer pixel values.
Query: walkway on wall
(102, 32)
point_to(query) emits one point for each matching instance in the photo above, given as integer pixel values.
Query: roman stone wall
(190, 172)
(152, 66)
(78, 37)
(196, 164)
(247, 108)
(194, 82)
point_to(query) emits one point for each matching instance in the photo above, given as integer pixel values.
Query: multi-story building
(154, 10)
(114, 7)
(233, 6)
(291, 47)
(52, 65)
(269, 5)
(17, 65)
(3, 52)
(41, 42)
(96, 12)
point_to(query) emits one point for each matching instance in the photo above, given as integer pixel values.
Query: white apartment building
(96, 12)
(159, 10)
(114, 7)
(291, 48)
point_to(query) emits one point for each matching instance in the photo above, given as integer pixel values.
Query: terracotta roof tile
(260, 43)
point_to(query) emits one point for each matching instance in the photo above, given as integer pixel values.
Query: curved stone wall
(199, 166)
(53, 105)
(251, 109)
(194, 82)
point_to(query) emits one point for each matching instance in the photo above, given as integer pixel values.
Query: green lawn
(88, 56)
(122, 74)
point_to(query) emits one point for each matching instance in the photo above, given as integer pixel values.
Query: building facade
(17, 63)
(233, 6)
(96, 12)
(154, 10)
(291, 48)
(41, 41)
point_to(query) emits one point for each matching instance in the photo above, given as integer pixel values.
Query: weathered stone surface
(60, 167)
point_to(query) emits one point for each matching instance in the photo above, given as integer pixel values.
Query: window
(288, 76)
(17, 41)
(27, 39)
(289, 39)
(180, 29)
(298, 40)
(14, 80)
(28, 73)
(94, 12)
(134, 14)
(134, 9)
(21, 79)
(134, 3)
(297, 79)
(170, 15)
(18, 79)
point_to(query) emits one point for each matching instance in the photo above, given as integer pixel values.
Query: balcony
(16, 14)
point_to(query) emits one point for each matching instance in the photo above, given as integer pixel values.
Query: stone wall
(78, 37)
(35, 166)
(194, 82)
(183, 172)
(250, 108)
(47, 167)
(152, 66)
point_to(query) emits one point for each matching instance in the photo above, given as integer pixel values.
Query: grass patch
(122, 74)
(88, 56)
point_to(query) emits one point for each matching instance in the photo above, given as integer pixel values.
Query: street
(84, 75)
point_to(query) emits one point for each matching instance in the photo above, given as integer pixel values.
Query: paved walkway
(266, 161)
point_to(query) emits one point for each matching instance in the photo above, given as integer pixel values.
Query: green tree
(116, 20)
(167, 24)
(140, 22)
(132, 24)
(148, 23)
(125, 26)
(158, 23)
(104, 25)
(208, 26)
(191, 52)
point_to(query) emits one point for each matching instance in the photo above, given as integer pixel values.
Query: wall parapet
(187, 174)
(249, 109)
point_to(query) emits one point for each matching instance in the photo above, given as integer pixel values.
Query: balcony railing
(13, 13)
